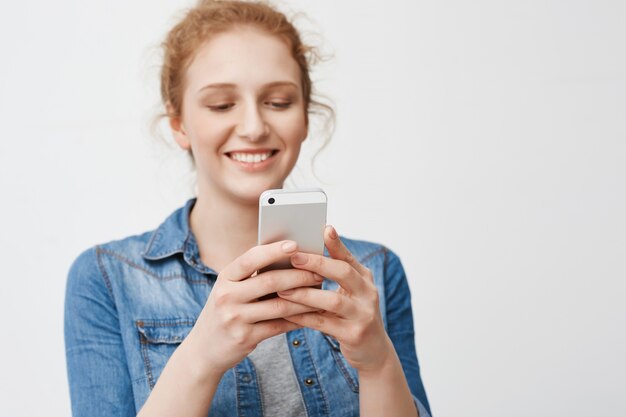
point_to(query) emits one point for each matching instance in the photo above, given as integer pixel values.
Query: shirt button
(246, 378)
(308, 382)
(296, 342)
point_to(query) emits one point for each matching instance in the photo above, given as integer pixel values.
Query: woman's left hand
(351, 314)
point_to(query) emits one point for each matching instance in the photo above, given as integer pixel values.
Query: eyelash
(280, 105)
(221, 108)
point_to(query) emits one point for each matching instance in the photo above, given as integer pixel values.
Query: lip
(252, 151)
(253, 166)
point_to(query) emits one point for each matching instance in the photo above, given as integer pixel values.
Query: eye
(221, 107)
(279, 104)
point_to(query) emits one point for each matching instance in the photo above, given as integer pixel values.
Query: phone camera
(271, 200)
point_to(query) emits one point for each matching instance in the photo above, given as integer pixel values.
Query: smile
(253, 159)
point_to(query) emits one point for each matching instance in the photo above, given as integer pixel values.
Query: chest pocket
(158, 341)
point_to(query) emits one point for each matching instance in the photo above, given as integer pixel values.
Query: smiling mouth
(251, 157)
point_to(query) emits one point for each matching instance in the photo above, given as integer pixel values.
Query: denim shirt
(130, 303)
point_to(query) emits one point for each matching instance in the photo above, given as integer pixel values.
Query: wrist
(386, 361)
(191, 354)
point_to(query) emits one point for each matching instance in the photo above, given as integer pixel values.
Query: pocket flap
(164, 330)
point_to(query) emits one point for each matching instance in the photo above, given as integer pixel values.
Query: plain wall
(482, 141)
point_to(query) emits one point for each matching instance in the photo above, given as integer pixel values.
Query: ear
(178, 130)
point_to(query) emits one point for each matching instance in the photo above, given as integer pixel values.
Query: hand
(351, 314)
(233, 321)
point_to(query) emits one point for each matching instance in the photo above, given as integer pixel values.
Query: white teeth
(250, 157)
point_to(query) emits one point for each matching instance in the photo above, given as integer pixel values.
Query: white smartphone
(293, 214)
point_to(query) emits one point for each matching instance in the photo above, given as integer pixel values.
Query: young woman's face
(243, 114)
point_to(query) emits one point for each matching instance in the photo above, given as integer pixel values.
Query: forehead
(246, 57)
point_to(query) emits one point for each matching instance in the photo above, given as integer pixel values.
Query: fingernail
(286, 292)
(333, 233)
(289, 246)
(299, 259)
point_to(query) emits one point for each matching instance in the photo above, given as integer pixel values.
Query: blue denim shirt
(130, 303)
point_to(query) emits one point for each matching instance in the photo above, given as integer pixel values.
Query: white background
(483, 141)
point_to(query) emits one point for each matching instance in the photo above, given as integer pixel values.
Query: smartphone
(293, 214)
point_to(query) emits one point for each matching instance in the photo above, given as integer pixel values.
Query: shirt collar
(175, 236)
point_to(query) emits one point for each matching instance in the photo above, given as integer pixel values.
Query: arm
(99, 380)
(385, 390)
(400, 329)
(352, 316)
(233, 316)
(183, 388)
(100, 383)
(96, 363)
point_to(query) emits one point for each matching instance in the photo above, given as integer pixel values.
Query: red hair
(210, 17)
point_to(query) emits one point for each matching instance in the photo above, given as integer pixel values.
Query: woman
(169, 323)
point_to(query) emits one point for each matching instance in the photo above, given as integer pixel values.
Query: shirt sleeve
(400, 328)
(98, 375)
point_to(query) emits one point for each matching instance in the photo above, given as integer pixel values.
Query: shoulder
(136, 251)
(88, 268)
(131, 248)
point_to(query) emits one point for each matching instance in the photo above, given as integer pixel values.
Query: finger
(323, 322)
(337, 250)
(273, 308)
(266, 329)
(277, 280)
(330, 301)
(337, 270)
(256, 258)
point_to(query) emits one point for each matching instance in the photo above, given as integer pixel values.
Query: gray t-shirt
(280, 392)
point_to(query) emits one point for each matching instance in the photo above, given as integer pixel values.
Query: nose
(252, 126)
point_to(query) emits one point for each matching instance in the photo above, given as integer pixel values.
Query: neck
(223, 228)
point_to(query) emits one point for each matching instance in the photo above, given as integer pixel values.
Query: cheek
(294, 130)
(209, 131)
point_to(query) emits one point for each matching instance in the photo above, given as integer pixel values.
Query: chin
(250, 192)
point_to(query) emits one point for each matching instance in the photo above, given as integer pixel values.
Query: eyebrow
(225, 86)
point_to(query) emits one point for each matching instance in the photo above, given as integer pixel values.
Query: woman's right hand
(233, 320)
